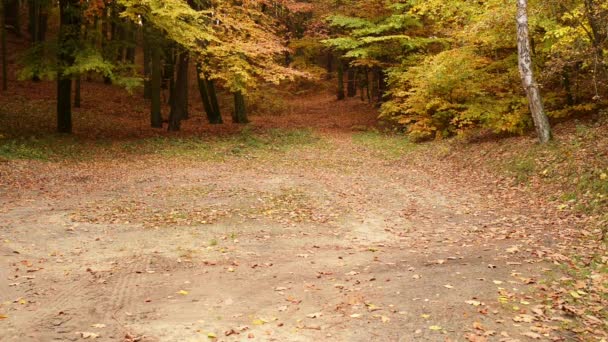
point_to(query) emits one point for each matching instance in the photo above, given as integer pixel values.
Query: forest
(304, 170)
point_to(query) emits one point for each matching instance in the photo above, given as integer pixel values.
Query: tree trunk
(12, 16)
(351, 88)
(541, 122)
(179, 98)
(214, 102)
(240, 112)
(381, 75)
(156, 119)
(367, 84)
(69, 32)
(208, 97)
(131, 38)
(3, 47)
(341, 95)
(169, 73)
(147, 50)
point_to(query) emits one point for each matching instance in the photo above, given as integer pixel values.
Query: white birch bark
(541, 122)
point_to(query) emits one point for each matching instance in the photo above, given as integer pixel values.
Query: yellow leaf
(2, 316)
(211, 335)
(435, 328)
(575, 294)
(259, 321)
(182, 292)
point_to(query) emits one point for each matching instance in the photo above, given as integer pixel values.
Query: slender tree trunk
(214, 101)
(541, 122)
(184, 69)
(69, 31)
(208, 97)
(567, 87)
(240, 112)
(367, 84)
(12, 16)
(179, 101)
(3, 47)
(341, 95)
(77, 97)
(351, 88)
(131, 37)
(147, 50)
(169, 73)
(381, 75)
(156, 119)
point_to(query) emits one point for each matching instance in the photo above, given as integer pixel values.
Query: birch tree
(541, 122)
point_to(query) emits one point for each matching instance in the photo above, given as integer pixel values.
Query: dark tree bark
(367, 85)
(38, 14)
(169, 73)
(381, 75)
(12, 16)
(209, 97)
(341, 95)
(38, 18)
(179, 101)
(156, 119)
(541, 122)
(214, 101)
(69, 32)
(3, 47)
(131, 40)
(240, 111)
(351, 87)
(147, 50)
(567, 87)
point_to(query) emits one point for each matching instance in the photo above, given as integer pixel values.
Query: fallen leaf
(182, 292)
(315, 315)
(523, 318)
(435, 328)
(474, 302)
(86, 335)
(533, 335)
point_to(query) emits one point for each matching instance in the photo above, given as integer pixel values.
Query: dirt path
(325, 242)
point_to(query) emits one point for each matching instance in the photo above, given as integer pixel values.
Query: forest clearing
(303, 171)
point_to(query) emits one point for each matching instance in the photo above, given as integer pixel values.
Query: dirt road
(329, 241)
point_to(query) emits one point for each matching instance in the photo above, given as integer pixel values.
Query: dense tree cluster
(452, 66)
(435, 68)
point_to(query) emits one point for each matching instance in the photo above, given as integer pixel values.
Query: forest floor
(309, 226)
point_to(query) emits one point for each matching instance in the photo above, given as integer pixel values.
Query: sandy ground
(324, 242)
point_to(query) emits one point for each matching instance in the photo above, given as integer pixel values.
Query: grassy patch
(389, 146)
(245, 143)
(522, 168)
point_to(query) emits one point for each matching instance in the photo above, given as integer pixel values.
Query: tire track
(125, 290)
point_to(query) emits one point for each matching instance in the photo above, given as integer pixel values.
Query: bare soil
(329, 241)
